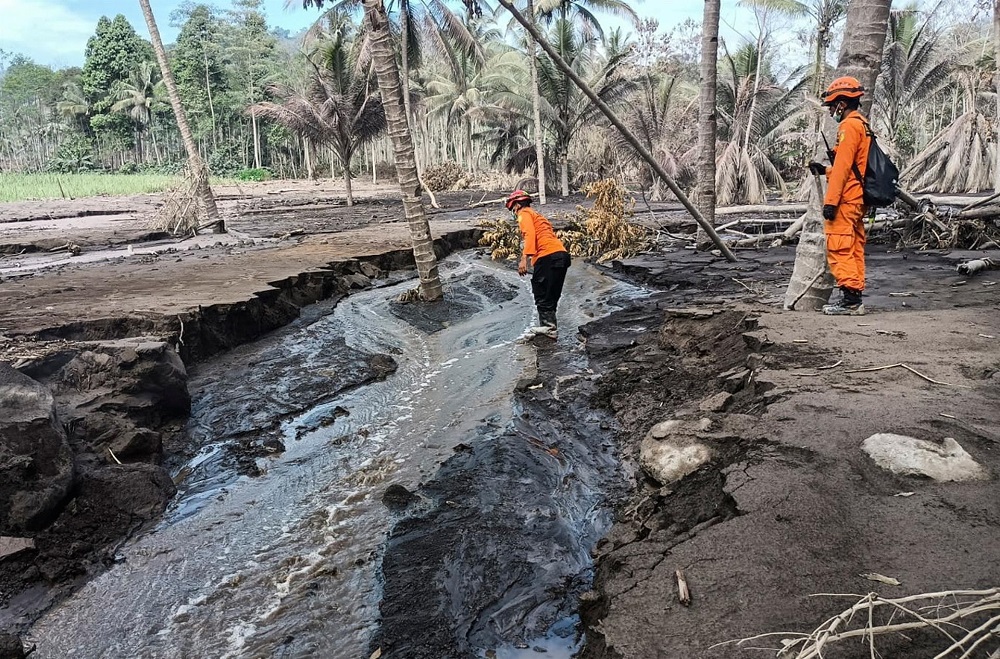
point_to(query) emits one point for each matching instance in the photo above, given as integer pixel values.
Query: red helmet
(843, 87)
(516, 196)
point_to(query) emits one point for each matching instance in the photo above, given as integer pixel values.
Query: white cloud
(48, 32)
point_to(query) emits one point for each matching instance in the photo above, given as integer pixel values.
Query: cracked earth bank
(789, 506)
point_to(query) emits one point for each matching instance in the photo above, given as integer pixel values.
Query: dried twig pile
(181, 208)
(967, 620)
(931, 227)
(444, 176)
(604, 231)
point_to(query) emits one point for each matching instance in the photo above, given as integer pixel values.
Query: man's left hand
(829, 212)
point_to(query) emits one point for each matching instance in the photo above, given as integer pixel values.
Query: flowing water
(287, 562)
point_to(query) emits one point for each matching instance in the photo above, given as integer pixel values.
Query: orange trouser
(845, 246)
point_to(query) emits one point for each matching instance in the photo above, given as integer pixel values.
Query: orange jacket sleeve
(527, 227)
(848, 143)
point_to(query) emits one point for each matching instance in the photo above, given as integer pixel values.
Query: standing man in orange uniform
(843, 206)
(548, 256)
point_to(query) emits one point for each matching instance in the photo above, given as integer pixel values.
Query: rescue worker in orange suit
(548, 257)
(843, 206)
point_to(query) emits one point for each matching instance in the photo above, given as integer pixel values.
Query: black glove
(817, 168)
(829, 212)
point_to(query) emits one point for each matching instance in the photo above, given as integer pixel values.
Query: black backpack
(881, 174)
(879, 183)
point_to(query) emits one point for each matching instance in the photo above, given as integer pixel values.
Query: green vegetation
(19, 187)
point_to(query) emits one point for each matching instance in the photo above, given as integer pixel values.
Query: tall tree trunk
(208, 90)
(404, 36)
(707, 119)
(307, 156)
(996, 84)
(347, 184)
(564, 172)
(197, 165)
(256, 141)
(402, 145)
(864, 41)
(861, 57)
(536, 108)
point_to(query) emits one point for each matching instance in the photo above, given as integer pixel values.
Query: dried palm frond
(604, 231)
(503, 239)
(960, 159)
(967, 620)
(181, 208)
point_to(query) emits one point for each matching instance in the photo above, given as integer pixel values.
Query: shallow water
(288, 563)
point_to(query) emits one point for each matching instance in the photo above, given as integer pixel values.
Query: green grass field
(20, 187)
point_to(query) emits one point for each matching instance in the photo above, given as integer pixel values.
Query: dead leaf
(875, 576)
(904, 494)
(376, 654)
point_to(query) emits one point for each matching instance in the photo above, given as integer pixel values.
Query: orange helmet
(843, 87)
(516, 196)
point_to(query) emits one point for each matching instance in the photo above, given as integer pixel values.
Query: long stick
(626, 133)
(806, 289)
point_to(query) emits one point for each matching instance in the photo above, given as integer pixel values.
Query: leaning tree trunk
(402, 146)
(996, 83)
(197, 165)
(536, 108)
(707, 123)
(861, 57)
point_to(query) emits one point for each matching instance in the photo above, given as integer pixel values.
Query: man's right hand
(829, 212)
(817, 168)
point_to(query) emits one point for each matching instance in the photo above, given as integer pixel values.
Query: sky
(55, 32)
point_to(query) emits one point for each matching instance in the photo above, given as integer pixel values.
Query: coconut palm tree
(195, 162)
(74, 106)
(137, 97)
(340, 107)
(914, 69)
(565, 108)
(758, 115)
(961, 157)
(387, 72)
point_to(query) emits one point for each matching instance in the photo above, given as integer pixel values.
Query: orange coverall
(539, 238)
(845, 235)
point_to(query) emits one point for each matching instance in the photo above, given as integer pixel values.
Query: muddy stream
(292, 553)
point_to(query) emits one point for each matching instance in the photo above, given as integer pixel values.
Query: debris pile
(445, 176)
(930, 227)
(604, 232)
(502, 238)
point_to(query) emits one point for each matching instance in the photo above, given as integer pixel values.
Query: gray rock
(671, 450)
(136, 490)
(717, 403)
(908, 456)
(357, 281)
(138, 443)
(13, 546)
(11, 646)
(36, 469)
(370, 270)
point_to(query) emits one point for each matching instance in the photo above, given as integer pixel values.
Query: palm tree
(564, 106)
(195, 163)
(961, 157)
(913, 70)
(758, 115)
(384, 59)
(340, 108)
(136, 98)
(74, 106)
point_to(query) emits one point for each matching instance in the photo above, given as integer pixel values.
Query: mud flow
(376, 475)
